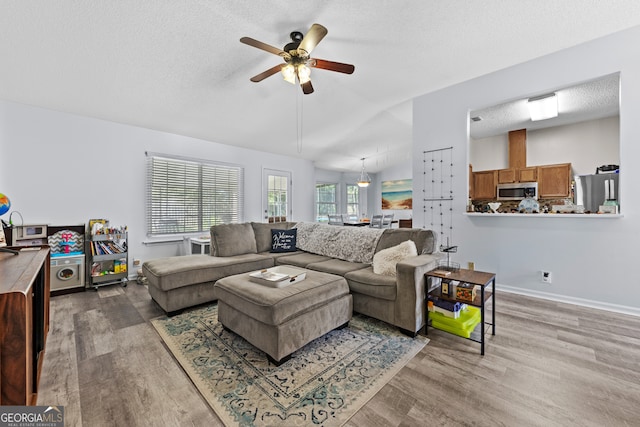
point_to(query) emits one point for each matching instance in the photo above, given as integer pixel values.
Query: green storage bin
(462, 326)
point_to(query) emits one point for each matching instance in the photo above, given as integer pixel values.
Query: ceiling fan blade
(268, 73)
(332, 66)
(266, 47)
(315, 34)
(307, 87)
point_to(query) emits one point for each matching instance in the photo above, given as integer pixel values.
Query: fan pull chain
(299, 121)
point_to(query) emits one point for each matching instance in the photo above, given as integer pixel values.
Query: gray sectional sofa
(179, 282)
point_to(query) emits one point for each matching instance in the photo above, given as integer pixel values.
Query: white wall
(592, 258)
(586, 145)
(63, 169)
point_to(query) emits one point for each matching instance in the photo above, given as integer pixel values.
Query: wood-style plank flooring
(550, 364)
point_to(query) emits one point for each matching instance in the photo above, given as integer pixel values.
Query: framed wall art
(397, 194)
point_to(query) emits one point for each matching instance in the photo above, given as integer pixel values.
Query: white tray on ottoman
(278, 277)
(282, 320)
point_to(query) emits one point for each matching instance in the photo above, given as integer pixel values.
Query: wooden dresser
(24, 323)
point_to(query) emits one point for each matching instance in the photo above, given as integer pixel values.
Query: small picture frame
(444, 288)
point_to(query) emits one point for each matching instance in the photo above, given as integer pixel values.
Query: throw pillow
(283, 240)
(384, 262)
(232, 239)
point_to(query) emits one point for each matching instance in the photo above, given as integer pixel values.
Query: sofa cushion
(283, 240)
(262, 232)
(179, 271)
(425, 240)
(276, 255)
(366, 282)
(232, 239)
(300, 259)
(384, 261)
(336, 266)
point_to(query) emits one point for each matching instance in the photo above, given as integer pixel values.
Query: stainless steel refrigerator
(592, 191)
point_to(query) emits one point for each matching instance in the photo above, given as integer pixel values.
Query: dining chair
(335, 220)
(376, 221)
(387, 220)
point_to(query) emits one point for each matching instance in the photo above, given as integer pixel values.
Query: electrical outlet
(136, 262)
(471, 265)
(546, 276)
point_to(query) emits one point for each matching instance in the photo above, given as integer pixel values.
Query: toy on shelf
(66, 243)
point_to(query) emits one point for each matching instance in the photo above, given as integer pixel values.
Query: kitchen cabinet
(554, 180)
(470, 182)
(484, 185)
(507, 176)
(528, 174)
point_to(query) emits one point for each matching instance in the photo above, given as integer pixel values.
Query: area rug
(324, 383)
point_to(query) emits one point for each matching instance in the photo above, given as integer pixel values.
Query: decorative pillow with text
(283, 240)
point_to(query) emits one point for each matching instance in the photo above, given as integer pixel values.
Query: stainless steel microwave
(517, 191)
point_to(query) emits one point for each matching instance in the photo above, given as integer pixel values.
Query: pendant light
(364, 180)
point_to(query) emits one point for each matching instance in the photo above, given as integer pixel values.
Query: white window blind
(325, 201)
(188, 196)
(353, 200)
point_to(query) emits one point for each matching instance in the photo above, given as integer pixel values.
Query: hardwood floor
(550, 364)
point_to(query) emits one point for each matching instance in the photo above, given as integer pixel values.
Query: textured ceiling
(586, 101)
(179, 66)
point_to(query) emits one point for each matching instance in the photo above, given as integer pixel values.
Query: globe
(5, 204)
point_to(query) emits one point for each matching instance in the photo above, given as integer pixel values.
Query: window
(353, 200)
(325, 201)
(189, 196)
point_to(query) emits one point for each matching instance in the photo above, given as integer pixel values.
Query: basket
(448, 265)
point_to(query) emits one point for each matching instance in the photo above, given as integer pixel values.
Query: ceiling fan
(297, 59)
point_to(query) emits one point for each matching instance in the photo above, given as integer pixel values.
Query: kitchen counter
(544, 215)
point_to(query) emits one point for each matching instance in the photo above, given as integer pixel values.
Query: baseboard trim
(633, 311)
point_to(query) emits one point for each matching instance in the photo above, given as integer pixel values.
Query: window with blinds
(353, 200)
(189, 196)
(325, 201)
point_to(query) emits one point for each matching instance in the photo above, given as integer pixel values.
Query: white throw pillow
(384, 262)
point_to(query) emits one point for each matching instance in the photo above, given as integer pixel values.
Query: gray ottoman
(279, 321)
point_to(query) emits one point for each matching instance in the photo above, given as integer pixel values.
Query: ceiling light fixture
(364, 180)
(301, 71)
(543, 107)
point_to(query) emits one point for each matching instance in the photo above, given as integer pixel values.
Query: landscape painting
(397, 194)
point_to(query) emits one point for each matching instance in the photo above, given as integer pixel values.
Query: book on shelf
(106, 248)
(441, 272)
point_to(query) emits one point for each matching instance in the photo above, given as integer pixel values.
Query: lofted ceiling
(179, 67)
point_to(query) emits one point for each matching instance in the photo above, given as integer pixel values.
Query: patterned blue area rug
(324, 383)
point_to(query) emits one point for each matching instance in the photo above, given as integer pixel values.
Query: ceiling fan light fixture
(297, 61)
(364, 179)
(289, 74)
(543, 107)
(304, 74)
